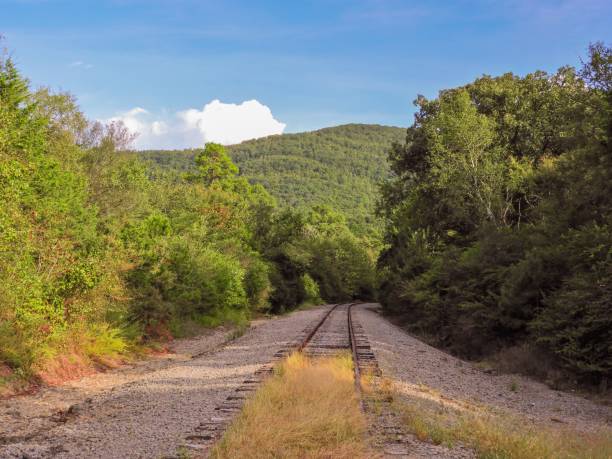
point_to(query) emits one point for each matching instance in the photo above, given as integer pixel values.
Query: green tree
(498, 217)
(214, 165)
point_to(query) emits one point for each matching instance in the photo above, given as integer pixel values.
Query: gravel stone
(151, 408)
(412, 363)
(148, 414)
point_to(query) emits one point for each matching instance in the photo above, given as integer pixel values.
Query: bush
(311, 290)
(288, 290)
(187, 281)
(257, 284)
(575, 322)
(341, 266)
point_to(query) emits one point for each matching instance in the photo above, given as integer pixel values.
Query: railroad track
(339, 331)
(336, 331)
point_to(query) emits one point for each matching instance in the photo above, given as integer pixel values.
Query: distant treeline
(499, 219)
(339, 167)
(100, 253)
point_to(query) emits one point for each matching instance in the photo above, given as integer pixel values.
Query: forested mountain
(340, 167)
(499, 220)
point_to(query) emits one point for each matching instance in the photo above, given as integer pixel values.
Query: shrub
(257, 284)
(311, 289)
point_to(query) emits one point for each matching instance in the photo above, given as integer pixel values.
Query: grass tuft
(79, 352)
(237, 332)
(308, 409)
(496, 435)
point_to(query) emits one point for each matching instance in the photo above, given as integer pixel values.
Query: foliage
(214, 165)
(314, 252)
(50, 254)
(498, 217)
(100, 253)
(338, 167)
(311, 290)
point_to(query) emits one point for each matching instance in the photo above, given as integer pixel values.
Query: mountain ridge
(338, 166)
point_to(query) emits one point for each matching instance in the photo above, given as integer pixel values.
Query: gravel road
(150, 415)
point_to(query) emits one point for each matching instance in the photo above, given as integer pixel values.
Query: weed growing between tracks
(308, 409)
(489, 434)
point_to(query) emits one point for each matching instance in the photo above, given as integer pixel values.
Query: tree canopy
(498, 217)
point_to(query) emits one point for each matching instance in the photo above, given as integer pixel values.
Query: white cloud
(232, 123)
(216, 122)
(133, 120)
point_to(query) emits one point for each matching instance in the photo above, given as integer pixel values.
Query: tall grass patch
(308, 409)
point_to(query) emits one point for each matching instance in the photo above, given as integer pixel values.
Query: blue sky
(313, 63)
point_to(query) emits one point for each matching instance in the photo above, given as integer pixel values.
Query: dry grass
(81, 352)
(308, 409)
(494, 435)
(65, 367)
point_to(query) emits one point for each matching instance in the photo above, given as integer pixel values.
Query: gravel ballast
(414, 364)
(147, 410)
(151, 414)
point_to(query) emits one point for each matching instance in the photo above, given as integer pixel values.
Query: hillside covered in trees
(499, 220)
(340, 167)
(100, 256)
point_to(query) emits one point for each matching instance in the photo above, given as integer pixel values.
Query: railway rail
(336, 331)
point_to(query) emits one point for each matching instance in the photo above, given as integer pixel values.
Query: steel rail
(316, 329)
(353, 343)
(210, 430)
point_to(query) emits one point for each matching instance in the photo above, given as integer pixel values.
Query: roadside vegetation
(308, 409)
(499, 221)
(491, 434)
(101, 255)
